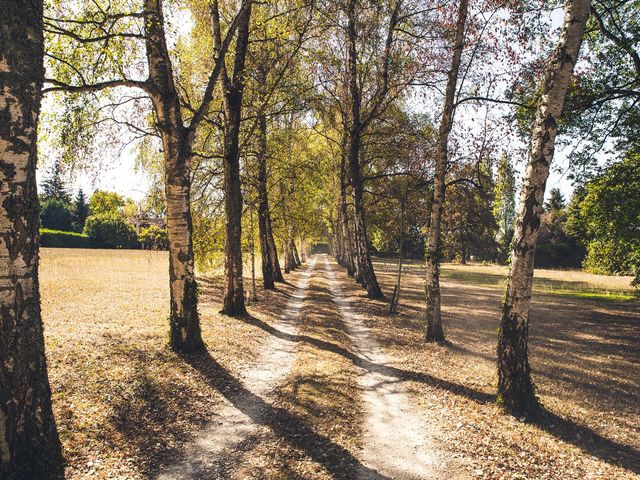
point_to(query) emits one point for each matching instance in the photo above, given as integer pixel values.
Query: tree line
(295, 121)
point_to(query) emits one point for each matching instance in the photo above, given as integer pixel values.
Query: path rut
(396, 444)
(211, 455)
(397, 441)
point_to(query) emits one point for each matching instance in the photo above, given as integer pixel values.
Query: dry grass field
(126, 405)
(584, 355)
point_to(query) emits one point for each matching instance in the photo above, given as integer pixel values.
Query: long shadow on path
(581, 436)
(337, 460)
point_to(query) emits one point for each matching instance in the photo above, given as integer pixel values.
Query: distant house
(143, 221)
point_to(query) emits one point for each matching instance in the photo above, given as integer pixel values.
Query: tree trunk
(296, 256)
(289, 262)
(184, 323)
(365, 274)
(434, 331)
(515, 388)
(233, 89)
(271, 272)
(303, 253)
(336, 231)
(393, 306)
(347, 251)
(29, 445)
(252, 242)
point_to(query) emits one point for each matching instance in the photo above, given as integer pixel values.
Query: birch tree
(515, 388)
(434, 331)
(29, 445)
(176, 135)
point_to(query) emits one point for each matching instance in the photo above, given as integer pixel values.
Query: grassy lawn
(572, 283)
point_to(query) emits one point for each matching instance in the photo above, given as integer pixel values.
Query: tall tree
(232, 93)
(515, 388)
(468, 225)
(555, 202)
(434, 332)
(358, 121)
(177, 140)
(80, 210)
(270, 264)
(53, 186)
(184, 323)
(29, 445)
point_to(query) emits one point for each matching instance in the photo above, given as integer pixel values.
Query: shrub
(57, 238)
(55, 214)
(111, 231)
(154, 238)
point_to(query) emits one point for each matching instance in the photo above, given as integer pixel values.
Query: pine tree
(80, 211)
(504, 204)
(54, 186)
(556, 201)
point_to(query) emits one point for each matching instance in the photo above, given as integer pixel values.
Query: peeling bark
(515, 388)
(185, 333)
(29, 445)
(434, 331)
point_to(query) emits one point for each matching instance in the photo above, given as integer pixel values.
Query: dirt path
(396, 443)
(212, 453)
(396, 440)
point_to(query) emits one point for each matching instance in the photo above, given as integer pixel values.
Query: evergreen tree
(556, 201)
(504, 204)
(80, 211)
(54, 186)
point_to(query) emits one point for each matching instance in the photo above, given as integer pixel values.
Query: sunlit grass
(569, 283)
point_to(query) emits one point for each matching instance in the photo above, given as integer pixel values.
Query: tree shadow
(589, 441)
(581, 436)
(370, 366)
(337, 460)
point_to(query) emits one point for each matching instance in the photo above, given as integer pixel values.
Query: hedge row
(58, 238)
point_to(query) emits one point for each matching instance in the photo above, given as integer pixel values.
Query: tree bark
(29, 445)
(345, 231)
(252, 245)
(289, 251)
(393, 305)
(303, 253)
(185, 333)
(365, 274)
(515, 388)
(296, 256)
(271, 272)
(434, 331)
(232, 93)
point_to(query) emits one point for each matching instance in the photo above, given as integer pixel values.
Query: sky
(120, 173)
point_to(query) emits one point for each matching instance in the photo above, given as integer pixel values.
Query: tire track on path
(396, 442)
(215, 452)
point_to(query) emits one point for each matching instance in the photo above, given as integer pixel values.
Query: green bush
(55, 214)
(154, 238)
(57, 238)
(111, 231)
